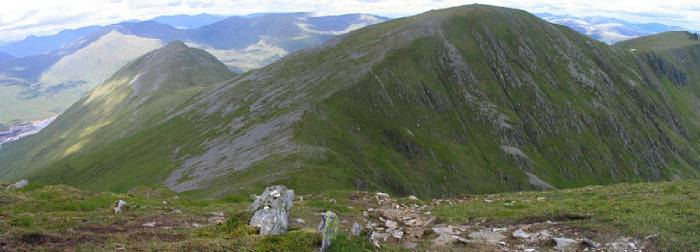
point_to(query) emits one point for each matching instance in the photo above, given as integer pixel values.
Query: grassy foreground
(64, 218)
(668, 212)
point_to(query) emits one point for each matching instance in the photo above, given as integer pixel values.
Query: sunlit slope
(135, 99)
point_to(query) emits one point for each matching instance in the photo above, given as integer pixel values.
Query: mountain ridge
(468, 99)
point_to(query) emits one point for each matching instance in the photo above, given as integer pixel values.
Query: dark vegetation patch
(40, 239)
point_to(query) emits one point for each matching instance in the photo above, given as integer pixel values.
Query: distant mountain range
(5, 56)
(189, 21)
(41, 76)
(608, 30)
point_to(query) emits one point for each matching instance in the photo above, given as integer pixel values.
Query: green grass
(670, 210)
(661, 42)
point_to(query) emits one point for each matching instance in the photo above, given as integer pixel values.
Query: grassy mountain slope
(127, 105)
(467, 99)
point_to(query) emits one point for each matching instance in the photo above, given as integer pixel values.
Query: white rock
(413, 198)
(120, 206)
(301, 221)
(445, 239)
(382, 195)
(391, 224)
(488, 236)
(398, 234)
(356, 229)
(19, 184)
(565, 243)
(149, 224)
(590, 243)
(376, 237)
(521, 234)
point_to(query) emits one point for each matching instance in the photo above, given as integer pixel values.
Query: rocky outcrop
(664, 68)
(272, 209)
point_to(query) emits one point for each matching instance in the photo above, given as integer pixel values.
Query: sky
(19, 19)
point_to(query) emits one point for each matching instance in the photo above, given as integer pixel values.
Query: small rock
(196, 225)
(301, 221)
(408, 245)
(382, 195)
(398, 234)
(120, 206)
(541, 198)
(591, 243)
(446, 235)
(545, 234)
(529, 250)
(414, 198)
(521, 234)
(565, 243)
(465, 241)
(488, 236)
(443, 230)
(165, 203)
(376, 237)
(19, 184)
(356, 229)
(329, 228)
(391, 224)
(149, 224)
(499, 229)
(217, 220)
(445, 239)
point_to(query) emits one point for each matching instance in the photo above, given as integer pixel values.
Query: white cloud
(40, 17)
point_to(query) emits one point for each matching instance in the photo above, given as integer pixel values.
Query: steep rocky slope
(467, 99)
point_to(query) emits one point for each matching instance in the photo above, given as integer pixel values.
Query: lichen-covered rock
(272, 209)
(329, 228)
(19, 185)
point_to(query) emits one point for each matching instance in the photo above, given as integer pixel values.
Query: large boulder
(272, 209)
(329, 228)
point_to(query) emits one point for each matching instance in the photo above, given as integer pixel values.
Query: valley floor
(625, 217)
